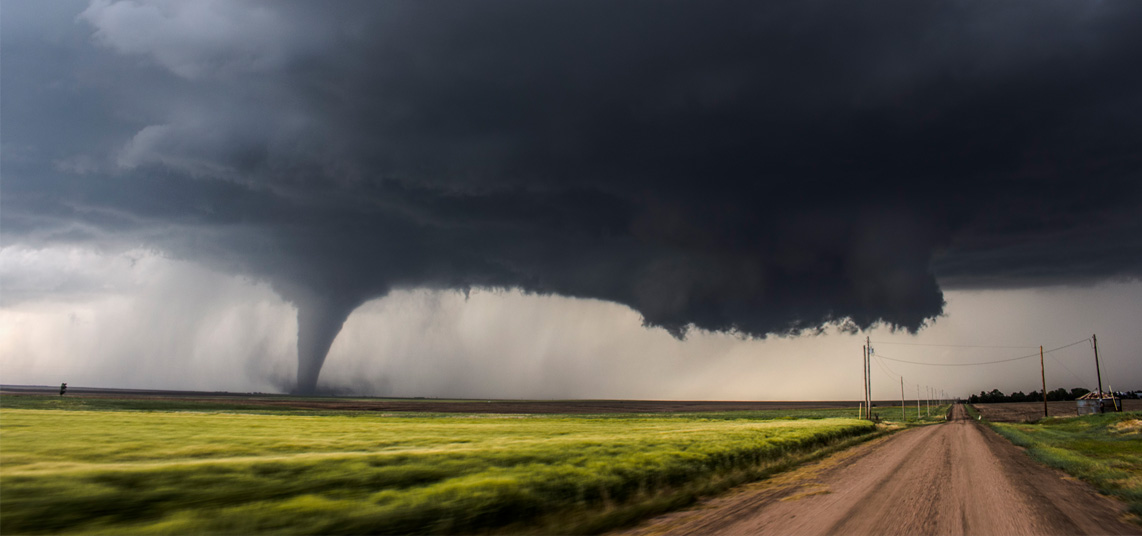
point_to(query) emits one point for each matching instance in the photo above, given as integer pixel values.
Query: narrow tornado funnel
(319, 320)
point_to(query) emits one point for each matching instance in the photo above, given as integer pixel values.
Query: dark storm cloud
(762, 168)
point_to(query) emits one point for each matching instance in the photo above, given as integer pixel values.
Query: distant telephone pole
(864, 370)
(917, 401)
(868, 373)
(903, 416)
(1043, 373)
(1094, 339)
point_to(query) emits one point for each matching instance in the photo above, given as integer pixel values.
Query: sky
(512, 199)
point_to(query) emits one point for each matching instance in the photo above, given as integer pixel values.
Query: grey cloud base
(726, 166)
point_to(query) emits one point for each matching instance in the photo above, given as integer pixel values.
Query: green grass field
(926, 415)
(1105, 450)
(887, 413)
(971, 411)
(79, 466)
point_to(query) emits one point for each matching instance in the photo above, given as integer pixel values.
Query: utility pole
(1043, 373)
(864, 370)
(903, 416)
(917, 401)
(868, 379)
(868, 375)
(928, 399)
(1094, 339)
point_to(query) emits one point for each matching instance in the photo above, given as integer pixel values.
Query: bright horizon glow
(138, 320)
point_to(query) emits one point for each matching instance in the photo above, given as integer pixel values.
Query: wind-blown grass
(190, 472)
(1105, 450)
(239, 405)
(936, 413)
(971, 411)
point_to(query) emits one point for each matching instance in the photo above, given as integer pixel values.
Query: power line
(1068, 346)
(1036, 354)
(1028, 356)
(895, 375)
(884, 368)
(1077, 377)
(888, 368)
(1071, 372)
(954, 345)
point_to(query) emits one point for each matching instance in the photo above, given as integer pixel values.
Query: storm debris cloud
(728, 166)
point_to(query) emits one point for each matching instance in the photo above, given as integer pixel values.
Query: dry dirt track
(953, 478)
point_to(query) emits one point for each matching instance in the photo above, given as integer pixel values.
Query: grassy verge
(1104, 450)
(972, 412)
(926, 415)
(149, 472)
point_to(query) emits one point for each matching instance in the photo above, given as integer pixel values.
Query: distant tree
(1057, 395)
(995, 395)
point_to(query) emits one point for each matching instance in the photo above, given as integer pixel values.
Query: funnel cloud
(737, 167)
(319, 320)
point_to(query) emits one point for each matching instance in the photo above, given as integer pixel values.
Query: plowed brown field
(1033, 411)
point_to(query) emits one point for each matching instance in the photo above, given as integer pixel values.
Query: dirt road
(953, 478)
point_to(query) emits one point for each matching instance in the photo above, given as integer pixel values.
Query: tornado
(319, 320)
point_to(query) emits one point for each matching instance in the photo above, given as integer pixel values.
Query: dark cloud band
(731, 166)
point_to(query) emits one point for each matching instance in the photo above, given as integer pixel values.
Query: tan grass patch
(1127, 426)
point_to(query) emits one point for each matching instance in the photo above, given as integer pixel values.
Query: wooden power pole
(867, 383)
(1094, 339)
(903, 416)
(1043, 373)
(864, 370)
(868, 373)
